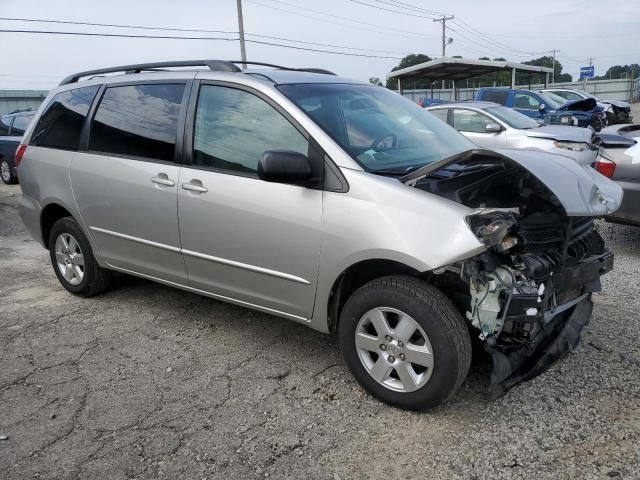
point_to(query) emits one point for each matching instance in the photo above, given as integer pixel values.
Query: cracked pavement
(147, 382)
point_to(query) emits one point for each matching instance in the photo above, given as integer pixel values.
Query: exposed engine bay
(528, 295)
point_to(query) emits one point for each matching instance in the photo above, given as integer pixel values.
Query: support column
(513, 78)
(399, 86)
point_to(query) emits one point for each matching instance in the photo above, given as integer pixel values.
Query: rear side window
(496, 96)
(233, 128)
(5, 123)
(441, 113)
(20, 124)
(61, 122)
(138, 121)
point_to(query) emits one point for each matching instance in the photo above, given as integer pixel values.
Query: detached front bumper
(560, 326)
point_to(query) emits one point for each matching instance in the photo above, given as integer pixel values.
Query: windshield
(383, 131)
(512, 118)
(552, 100)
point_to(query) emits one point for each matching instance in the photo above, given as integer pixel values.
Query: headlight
(573, 146)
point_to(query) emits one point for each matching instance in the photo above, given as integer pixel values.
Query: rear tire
(5, 173)
(391, 323)
(73, 261)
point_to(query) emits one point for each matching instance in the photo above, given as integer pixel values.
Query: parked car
(330, 202)
(538, 105)
(617, 111)
(12, 127)
(622, 144)
(490, 125)
(427, 102)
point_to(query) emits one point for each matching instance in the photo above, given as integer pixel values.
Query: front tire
(405, 342)
(5, 173)
(73, 261)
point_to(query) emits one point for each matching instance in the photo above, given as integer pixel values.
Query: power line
(430, 17)
(169, 37)
(325, 44)
(487, 46)
(464, 25)
(113, 25)
(408, 6)
(392, 31)
(138, 27)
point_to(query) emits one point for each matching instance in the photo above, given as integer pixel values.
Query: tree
(375, 81)
(548, 62)
(621, 71)
(409, 61)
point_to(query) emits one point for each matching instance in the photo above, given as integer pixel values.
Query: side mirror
(541, 107)
(284, 166)
(492, 128)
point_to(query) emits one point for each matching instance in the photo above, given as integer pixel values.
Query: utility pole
(553, 73)
(243, 53)
(443, 20)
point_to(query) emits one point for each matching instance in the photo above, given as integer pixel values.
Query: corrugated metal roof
(447, 68)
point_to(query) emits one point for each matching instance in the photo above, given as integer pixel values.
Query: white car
(490, 125)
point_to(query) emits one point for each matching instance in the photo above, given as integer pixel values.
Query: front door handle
(195, 186)
(163, 179)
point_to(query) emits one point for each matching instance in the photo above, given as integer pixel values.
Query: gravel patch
(151, 382)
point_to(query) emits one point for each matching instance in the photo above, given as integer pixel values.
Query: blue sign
(587, 72)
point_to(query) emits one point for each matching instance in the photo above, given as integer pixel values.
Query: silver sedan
(490, 125)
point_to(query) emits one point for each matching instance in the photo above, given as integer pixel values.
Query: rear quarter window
(20, 125)
(5, 123)
(61, 123)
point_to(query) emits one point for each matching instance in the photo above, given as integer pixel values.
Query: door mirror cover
(493, 128)
(285, 166)
(541, 107)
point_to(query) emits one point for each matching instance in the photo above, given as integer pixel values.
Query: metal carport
(456, 69)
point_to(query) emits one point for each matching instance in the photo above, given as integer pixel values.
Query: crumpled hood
(561, 133)
(581, 189)
(618, 104)
(584, 105)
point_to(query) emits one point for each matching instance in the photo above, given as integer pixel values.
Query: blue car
(548, 108)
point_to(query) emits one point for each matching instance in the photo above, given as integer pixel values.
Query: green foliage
(621, 71)
(375, 81)
(409, 61)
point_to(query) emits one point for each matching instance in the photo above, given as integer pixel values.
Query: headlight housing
(573, 146)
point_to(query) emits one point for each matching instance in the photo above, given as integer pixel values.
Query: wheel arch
(50, 214)
(357, 275)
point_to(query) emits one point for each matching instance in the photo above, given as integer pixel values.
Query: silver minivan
(330, 202)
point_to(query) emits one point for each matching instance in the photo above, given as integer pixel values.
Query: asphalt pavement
(150, 382)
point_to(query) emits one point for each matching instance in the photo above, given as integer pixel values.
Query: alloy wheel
(394, 349)
(5, 171)
(69, 258)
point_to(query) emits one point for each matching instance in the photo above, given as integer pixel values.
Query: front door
(245, 239)
(126, 183)
(473, 125)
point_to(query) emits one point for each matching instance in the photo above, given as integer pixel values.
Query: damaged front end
(528, 296)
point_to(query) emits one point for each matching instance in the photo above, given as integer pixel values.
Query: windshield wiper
(396, 173)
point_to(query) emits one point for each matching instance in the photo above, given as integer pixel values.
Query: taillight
(605, 166)
(20, 153)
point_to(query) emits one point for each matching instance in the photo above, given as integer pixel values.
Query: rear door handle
(194, 187)
(163, 179)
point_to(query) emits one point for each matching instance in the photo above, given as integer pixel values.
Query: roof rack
(213, 65)
(280, 67)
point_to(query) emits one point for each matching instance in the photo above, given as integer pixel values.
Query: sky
(608, 32)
